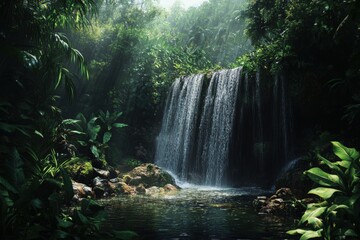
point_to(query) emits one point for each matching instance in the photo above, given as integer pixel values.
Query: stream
(196, 213)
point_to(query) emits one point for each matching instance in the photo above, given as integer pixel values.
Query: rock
(152, 175)
(113, 173)
(170, 188)
(82, 191)
(284, 193)
(126, 189)
(282, 203)
(259, 202)
(102, 173)
(135, 181)
(140, 189)
(152, 191)
(115, 180)
(101, 187)
(126, 179)
(81, 172)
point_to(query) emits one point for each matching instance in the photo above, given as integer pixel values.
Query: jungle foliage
(338, 186)
(316, 44)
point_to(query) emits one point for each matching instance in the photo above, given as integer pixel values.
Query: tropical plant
(93, 134)
(338, 215)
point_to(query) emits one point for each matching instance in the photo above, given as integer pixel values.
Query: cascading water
(231, 129)
(176, 139)
(219, 106)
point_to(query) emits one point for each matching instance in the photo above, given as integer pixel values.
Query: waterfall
(230, 129)
(176, 139)
(219, 106)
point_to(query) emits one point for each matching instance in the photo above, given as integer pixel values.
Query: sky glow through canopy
(185, 3)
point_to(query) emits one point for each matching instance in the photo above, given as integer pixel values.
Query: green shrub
(338, 215)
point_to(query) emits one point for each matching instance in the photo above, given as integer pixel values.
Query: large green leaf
(93, 128)
(324, 192)
(311, 213)
(323, 178)
(95, 151)
(119, 125)
(311, 234)
(106, 137)
(296, 231)
(344, 153)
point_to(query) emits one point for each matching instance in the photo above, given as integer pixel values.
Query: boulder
(282, 203)
(153, 191)
(101, 187)
(141, 189)
(102, 173)
(126, 179)
(82, 191)
(170, 188)
(152, 175)
(123, 188)
(81, 172)
(135, 181)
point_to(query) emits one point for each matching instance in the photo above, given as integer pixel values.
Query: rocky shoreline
(146, 179)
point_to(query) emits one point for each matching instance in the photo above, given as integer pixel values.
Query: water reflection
(196, 214)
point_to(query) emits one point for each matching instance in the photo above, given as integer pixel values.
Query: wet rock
(170, 188)
(152, 175)
(282, 203)
(152, 191)
(127, 179)
(115, 180)
(140, 189)
(101, 187)
(284, 193)
(135, 181)
(81, 172)
(126, 189)
(102, 173)
(259, 202)
(82, 191)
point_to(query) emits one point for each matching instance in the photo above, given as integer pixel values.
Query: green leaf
(39, 133)
(69, 191)
(323, 192)
(119, 125)
(323, 178)
(7, 185)
(83, 219)
(95, 151)
(311, 213)
(5, 198)
(311, 234)
(106, 137)
(93, 128)
(63, 223)
(82, 143)
(296, 231)
(70, 121)
(344, 153)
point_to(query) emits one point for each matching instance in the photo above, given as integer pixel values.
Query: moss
(86, 168)
(81, 170)
(127, 178)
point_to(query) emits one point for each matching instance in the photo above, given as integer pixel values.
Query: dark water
(196, 213)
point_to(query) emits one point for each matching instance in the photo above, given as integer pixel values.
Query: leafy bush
(338, 215)
(133, 163)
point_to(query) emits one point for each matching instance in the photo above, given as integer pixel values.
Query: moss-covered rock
(151, 175)
(81, 172)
